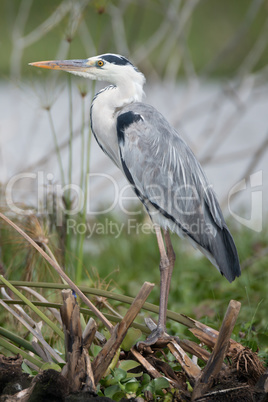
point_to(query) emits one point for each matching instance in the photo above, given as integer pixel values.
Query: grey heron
(161, 168)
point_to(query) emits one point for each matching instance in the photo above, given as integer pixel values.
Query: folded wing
(172, 185)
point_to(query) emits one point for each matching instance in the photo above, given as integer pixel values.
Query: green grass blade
(42, 316)
(180, 318)
(83, 311)
(37, 334)
(17, 339)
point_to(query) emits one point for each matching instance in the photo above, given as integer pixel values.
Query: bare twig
(151, 370)
(191, 369)
(78, 372)
(104, 358)
(215, 361)
(194, 349)
(89, 333)
(209, 337)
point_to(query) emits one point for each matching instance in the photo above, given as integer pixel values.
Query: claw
(158, 338)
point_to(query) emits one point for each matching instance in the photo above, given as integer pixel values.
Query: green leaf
(146, 379)
(134, 375)
(128, 364)
(52, 366)
(113, 363)
(189, 387)
(108, 381)
(131, 339)
(169, 397)
(112, 390)
(161, 383)
(106, 333)
(95, 349)
(118, 396)
(119, 374)
(26, 369)
(132, 387)
(150, 387)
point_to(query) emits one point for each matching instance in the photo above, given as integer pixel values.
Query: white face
(107, 67)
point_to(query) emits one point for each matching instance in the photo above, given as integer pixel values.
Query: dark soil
(239, 382)
(49, 386)
(12, 380)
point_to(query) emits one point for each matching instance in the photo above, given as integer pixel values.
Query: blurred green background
(218, 35)
(176, 41)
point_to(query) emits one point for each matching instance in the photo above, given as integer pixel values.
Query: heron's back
(172, 185)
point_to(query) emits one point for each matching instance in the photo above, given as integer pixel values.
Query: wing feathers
(169, 180)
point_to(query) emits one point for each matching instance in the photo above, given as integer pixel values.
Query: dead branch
(78, 372)
(215, 361)
(104, 358)
(194, 349)
(191, 369)
(151, 370)
(209, 336)
(89, 333)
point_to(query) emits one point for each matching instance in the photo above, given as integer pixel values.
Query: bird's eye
(100, 63)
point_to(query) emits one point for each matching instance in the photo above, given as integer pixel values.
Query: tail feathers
(225, 254)
(221, 246)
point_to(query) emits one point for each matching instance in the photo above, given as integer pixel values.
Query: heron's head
(106, 67)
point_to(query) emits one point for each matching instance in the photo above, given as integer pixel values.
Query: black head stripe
(113, 58)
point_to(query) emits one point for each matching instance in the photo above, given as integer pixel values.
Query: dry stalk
(78, 370)
(104, 358)
(215, 361)
(103, 319)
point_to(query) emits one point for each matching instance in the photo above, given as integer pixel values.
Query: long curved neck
(105, 107)
(128, 92)
(122, 93)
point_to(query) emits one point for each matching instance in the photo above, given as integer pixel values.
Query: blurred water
(202, 114)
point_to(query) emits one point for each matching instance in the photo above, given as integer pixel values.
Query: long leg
(164, 277)
(167, 259)
(171, 258)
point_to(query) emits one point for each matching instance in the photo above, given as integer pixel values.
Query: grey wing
(172, 185)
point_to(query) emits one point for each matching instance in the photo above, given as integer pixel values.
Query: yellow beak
(67, 65)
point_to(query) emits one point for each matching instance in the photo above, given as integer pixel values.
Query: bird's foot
(157, 338)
